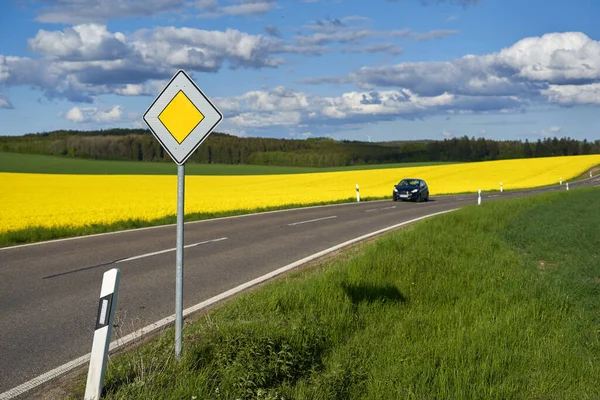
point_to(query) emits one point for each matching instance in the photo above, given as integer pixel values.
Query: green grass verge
(499, 301)
(41, 164)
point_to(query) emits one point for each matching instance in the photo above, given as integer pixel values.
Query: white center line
(377, 209)
(312, 220)
(168, 250)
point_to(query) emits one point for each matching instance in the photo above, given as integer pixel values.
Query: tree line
(220, 148)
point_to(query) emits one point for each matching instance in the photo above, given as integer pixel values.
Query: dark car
(411, 189)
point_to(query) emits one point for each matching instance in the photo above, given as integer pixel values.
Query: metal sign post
(181, 118)
(179, 261)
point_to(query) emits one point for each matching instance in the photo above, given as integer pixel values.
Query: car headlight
(395, 190)
(414, 190)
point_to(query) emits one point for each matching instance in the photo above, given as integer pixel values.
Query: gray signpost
(181, 118)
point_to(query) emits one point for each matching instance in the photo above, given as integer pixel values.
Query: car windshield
(409, 182)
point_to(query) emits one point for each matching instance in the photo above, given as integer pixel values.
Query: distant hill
(221, 148)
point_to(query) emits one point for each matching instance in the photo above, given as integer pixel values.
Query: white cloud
(4, 103)
(134, 90)
(388, 48)
(285, 107)
(85, 61)
(236, 8)
(432, 35)
(569, 95)
(550, 132)
(555, 58)
(82, 11)
(93, 114)
(353, 35)
(81, 43)
(562, 67)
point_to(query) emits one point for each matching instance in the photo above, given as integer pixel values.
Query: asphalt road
(49, 291)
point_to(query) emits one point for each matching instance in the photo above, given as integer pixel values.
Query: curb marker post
(104, 321)
(479, 197)
(567, 185)
(357, 193)
(560, 181)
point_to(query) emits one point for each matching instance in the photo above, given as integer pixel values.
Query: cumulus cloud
(570, 95)
(563, 68)
(84, 61)
(93, 114)
(286, 107)
(89, 42)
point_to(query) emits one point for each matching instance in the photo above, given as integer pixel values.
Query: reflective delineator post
(500, 187)
(567, 185)
(479, 197)
(104, 322)
(357, 193)
(561, 181)
(179, 261)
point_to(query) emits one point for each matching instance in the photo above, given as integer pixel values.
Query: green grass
(42, 164)
(500, 301)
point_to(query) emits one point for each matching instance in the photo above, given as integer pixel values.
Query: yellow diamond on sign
(180, 117)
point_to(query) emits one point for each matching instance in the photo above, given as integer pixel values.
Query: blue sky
(384, 70)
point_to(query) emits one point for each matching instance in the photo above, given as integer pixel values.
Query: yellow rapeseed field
(77, 200)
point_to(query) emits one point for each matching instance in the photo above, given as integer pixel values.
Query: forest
(221, 148)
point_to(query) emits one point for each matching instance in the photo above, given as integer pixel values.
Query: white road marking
(168, 250)
(311, 220)
(377, 209)
(351, 204)
(63, 369)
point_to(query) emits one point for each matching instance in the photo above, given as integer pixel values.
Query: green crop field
(41, 164)
(500, 301)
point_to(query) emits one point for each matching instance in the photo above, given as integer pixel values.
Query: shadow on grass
(373, 293)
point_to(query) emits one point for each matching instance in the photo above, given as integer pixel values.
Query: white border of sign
(180, 152)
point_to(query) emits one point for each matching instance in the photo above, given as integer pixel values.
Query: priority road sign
(181, 117)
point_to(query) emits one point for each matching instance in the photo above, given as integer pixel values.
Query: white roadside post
(479, 197)
(560, 181)
(104, 321)
(500, 187)
(181, 118)
(590, 174)
(567, 185)
(357, 193)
